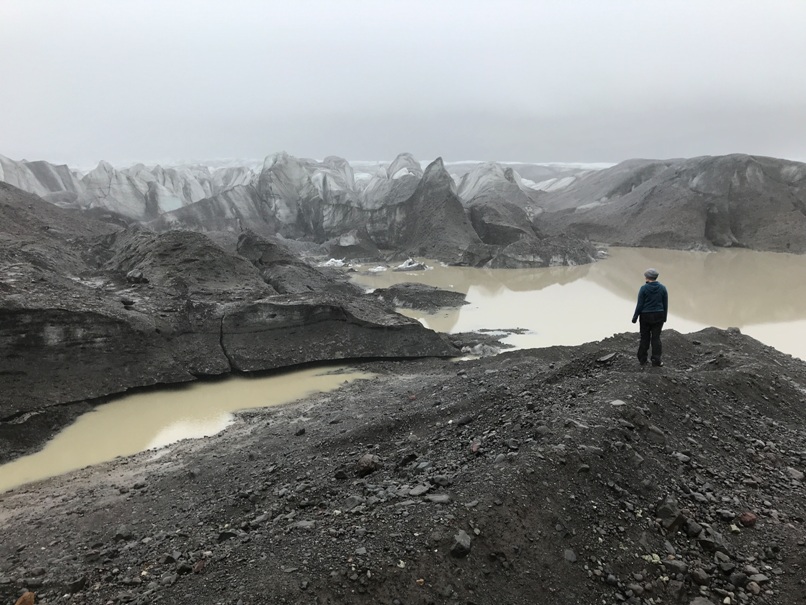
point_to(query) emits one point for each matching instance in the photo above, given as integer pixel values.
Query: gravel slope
(560, 475)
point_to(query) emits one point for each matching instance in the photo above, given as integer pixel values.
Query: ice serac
(698, 203)
(105, 187)
(287, 198)
(403, 165)
(286, 186)
(393, 185)
(177, 186)
(233, 210)
(100, 310)
(140, 192)
(500, 206)
(228, 177)
(436, 225)
(300, 198)
(54, 183)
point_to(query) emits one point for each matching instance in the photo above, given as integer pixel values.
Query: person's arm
(640, 305)
(665, 304)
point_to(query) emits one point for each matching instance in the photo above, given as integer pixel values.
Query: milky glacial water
(762, 293)
(148, 420)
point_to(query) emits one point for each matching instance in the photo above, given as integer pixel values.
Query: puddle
(144, 421)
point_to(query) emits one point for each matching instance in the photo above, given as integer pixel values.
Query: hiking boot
(657, 364)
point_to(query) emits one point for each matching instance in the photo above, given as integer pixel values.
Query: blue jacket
(652, 298)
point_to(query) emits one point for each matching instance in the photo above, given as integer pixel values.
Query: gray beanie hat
(651, 274)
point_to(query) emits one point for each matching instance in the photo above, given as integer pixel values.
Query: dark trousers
(651, 325)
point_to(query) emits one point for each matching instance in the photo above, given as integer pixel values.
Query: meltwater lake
(762, 293)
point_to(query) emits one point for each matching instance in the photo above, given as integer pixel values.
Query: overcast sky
(564, 80)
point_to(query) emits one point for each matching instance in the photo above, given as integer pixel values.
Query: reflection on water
(143, 421)
(759, 292)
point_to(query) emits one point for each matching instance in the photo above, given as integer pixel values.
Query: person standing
(652, 309)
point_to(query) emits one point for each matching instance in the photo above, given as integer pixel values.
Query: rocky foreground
(560, 475)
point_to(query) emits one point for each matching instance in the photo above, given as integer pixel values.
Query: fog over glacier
(576, 81)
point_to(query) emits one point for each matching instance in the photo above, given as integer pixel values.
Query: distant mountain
(734, 200)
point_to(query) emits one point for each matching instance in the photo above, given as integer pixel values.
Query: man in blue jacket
(652, 308)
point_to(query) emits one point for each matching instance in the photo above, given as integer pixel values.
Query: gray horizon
(579, 81)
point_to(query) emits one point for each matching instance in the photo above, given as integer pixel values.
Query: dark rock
(713, 541)
(407, 459)
(367, 464)
(676, 566)
(419, 490)
(794, 473)
(655, 435)
(675, 589)
(700, 577)
(461, 544)
(225, 535)
(77, 584)
(748, 519)
(739, 579)
(135, 276)
(123, 532)
(353, 502)
(692, 528)
(759, 578)
(441, 480)
(668, 511)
